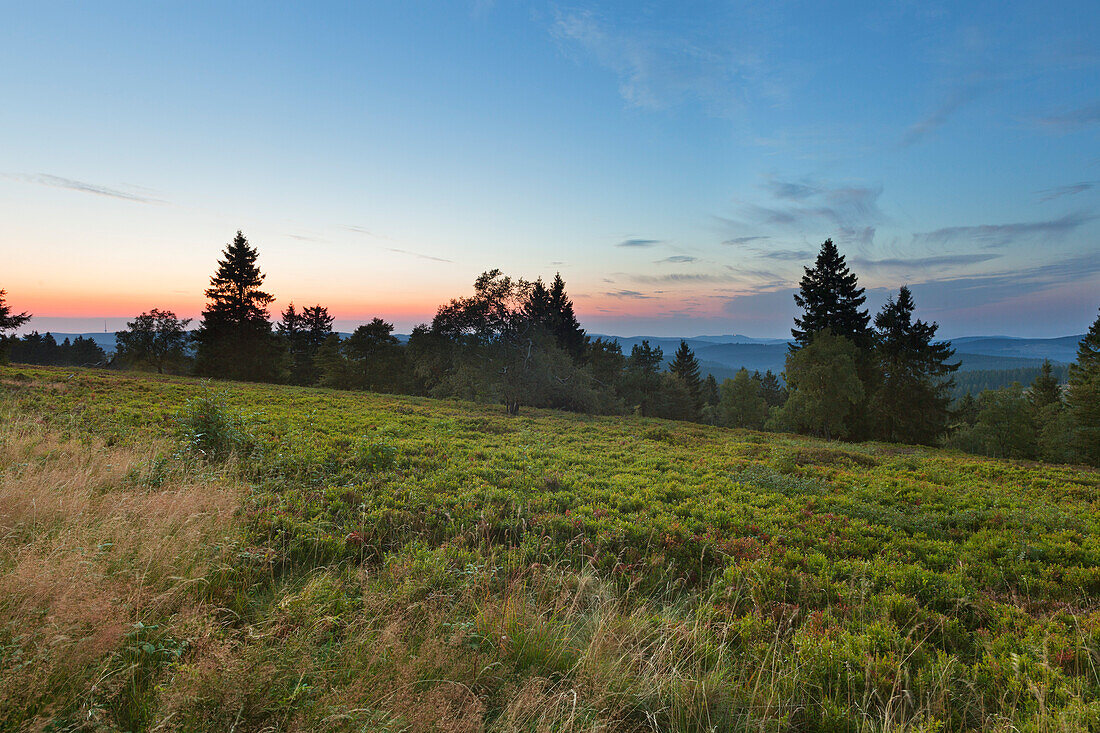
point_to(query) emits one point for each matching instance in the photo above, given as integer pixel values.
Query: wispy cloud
(685, 277)
(419, 254)
(736, 241)
(1049, 194)
(1072, 119)
(639, 243)
(951, 104)
(716, 64)
(848, 208)
(677, 259)
(634, 294)
(931, 262)
(92, 188)
(999, 235)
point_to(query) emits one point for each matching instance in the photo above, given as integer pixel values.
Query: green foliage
(825, 389)
(742, 403)
(1005, 426)
(207, 426)
(397, 550)
(1083, 394)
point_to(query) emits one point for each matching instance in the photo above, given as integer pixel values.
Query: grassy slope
(391, 563)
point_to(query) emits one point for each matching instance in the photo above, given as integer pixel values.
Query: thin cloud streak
(1073, 119)
(45, 179)
(420, 255)
(1049, 194)
(1000, 235)
(939, 117)
(639, 243)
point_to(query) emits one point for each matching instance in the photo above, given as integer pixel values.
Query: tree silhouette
(1083, 394)
(830, 297)
(155, 339)
(686, 367)
(8, 322)
(913, 395)
(304, 333)
(234, 339)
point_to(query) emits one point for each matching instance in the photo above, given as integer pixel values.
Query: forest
(848, 375)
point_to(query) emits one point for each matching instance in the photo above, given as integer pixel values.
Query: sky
(678, 162)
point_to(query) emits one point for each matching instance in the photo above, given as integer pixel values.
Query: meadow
(176, 555)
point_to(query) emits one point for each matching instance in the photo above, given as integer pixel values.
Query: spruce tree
(913, 396)
(552, 310)
(830, 297)
(234, 339)
(686, 367)
(710, 391)
(772, 390)
(8, 322)
(1045, 391)
(567, 329)
(1083, 394)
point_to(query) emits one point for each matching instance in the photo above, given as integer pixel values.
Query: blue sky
(678, 162)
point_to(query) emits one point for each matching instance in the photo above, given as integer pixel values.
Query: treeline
(978, 380)
(518, 343)
(35, 348)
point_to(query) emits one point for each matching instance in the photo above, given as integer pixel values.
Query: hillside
(240, 557)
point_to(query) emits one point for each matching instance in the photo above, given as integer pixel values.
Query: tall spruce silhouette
(552, 310)
(235, 340)
(914, 390)
(686, 367)
(1083, 394)
(830, 297)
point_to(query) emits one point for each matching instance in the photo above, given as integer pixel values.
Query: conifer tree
(8, 322)
(1045, 391)
(235, 340)
(686, 367)
(1083, 394)
(710, 391)
(552, 310)
(772, 391)
(913, 396)
(304, 333)
(830, 297)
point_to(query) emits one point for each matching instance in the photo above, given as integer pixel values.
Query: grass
(180, 556)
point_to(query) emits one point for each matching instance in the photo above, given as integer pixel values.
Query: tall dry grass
(94, 540)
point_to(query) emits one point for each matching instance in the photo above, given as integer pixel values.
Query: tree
(742, 404)
(774, 393)
(830, 297)
(686, 367)
(911, 403)
(642, 379)
(1083, 394)
(824, 387)
(8, 322)
(304, 334)
(1005, 426)
(234, 339)
(1045, 390)
(710, 391)
(551, 310)
(155, 339)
